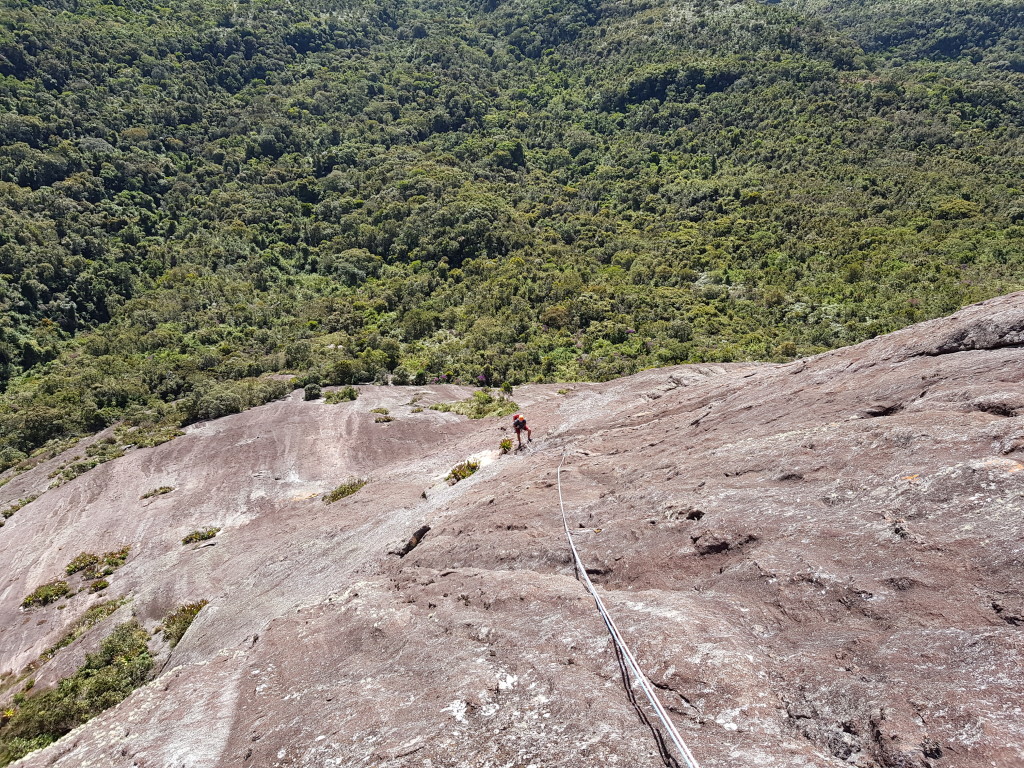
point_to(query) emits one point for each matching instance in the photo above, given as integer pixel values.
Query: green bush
(147, 435)
(122, 664)
(342, 395)
(70, 471)
(81, 562)
(98, 453)
(177, 623)
(213, 400)
(344, 490)
(105, 449)
(462, 471)
(93, 566)
(114, 560)
(46, 594)
(203, 535)
(312, 392)
(505, 446)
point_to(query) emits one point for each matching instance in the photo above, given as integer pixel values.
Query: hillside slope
(194, 195)
(818, 564)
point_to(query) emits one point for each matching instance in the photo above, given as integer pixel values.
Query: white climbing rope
(627, 655)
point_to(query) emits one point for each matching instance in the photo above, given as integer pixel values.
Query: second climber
(519, 425)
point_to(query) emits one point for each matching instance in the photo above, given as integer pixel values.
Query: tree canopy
(194, 195)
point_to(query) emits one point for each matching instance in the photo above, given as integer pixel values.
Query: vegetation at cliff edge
(194, 195)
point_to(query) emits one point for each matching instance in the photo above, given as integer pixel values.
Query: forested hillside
(198, 193)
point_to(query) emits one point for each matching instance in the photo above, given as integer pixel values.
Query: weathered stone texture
(818, 564)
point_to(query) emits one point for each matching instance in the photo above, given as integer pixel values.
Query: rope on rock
(626, 657)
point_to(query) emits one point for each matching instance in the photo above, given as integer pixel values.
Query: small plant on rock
(81, 562)
(9, 512)
(114, 560)
(93, 566)
(46, 594)
(383, 415)
(312, 392)
(87, 621)
(177, 623)
(346, 489)
(157, 492)
(203, 535)
(462, 471)
(505, 446)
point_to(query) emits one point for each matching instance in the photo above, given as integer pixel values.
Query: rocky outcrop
(817, 563)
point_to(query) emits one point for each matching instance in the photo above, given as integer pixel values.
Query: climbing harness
(626, 657)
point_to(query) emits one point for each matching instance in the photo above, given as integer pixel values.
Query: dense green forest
(195, 194)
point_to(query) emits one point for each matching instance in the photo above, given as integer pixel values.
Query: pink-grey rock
(817, 564)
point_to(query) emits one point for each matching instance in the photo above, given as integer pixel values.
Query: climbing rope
(623, 650)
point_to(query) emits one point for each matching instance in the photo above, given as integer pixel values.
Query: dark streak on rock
(413, 542)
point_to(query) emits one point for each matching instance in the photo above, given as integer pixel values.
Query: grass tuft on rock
(344, 490)
(157, 492)
(203, 535)
(93, 566)
(83, 624)
(176, 624)
(9, 512)
(46, 594)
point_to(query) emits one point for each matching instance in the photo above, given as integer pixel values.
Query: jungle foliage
(196, 195)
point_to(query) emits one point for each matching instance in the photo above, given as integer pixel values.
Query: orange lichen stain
(913, 478)
(305, 496)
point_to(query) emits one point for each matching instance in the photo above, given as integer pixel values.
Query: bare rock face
(817, 564)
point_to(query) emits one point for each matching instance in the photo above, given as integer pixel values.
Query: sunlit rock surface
(818, 564)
